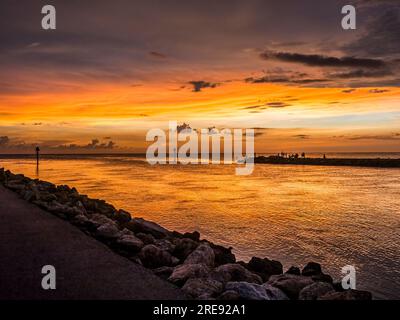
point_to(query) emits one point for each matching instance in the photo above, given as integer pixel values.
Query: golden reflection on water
(295, 214)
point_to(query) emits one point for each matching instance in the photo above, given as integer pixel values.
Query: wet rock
(139, 225)
(290, 284)
(195, 235)
(81, 221)
(311, 269)
(315, 290)
(130, 243)
(146, 238)
(165, 244)
(80, 208)
(264, 267)
(323, 278)
(229, 295)
(235, 272)
(98, 220)
(184, 247)
(108, 231)
(153, 257)
(274, 293)
(202, 287)
(29, 195)
(163, 272)
(222, 255)
(347, 295)
(122, 216)
(293, 270)
(203, 254)
(248, 291)
(183, 272)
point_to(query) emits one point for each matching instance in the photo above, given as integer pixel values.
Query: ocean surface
(336, 216)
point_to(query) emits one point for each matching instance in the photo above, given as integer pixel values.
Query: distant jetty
(352, 162)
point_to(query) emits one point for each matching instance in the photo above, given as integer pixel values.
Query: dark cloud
(277, 104)
(378, 91)
(199, 85)
(156, 54)
(394, 136)
(285, 80)
(302, 136)
(322, 61)
(348, 90)
(381, 37)
(360, 73)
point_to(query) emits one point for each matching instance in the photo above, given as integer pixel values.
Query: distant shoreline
(353, 162)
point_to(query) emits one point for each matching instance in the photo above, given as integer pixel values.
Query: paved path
(86, 269)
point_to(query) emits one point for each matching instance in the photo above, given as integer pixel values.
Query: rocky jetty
(352, 162)
(202, 269)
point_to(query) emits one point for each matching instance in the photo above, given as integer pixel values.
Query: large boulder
(315, 291)
(141, 225)
(202, 287)
(311, 269)
(290, 284)
(347, 295)
(183, 272)
(130, 243)
(314, 270)
(293, 270)
(229, 295)
(195, 236)
(235, 272)
(122, 216)
(203, 254)
(153, 257)
(248, 291)
(108, 231)
(163, 272)
(274, 293)
(222, 255)
(265, 267)
(184, 247)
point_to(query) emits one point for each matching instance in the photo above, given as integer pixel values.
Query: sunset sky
(114, 69)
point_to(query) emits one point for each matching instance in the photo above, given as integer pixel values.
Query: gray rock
(315, 290)
(153, 257)
(229, 295)
(294, 270)
(311, 269)
(248, 291)
(347, 295)
(204, 287)
(290, 284)
(165, 244)
(184, 247)
(122, 216)
(130, 243)
(203, 254)
(146, 238)
(163, 272)
(184, 272)
(235, 272)
(108, 231)
(274, 293)
(141, 225)
(264, 267)
(99, 219)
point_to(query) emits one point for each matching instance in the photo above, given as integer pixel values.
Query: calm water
(336, 216)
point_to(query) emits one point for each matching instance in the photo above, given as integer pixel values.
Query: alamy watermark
(167, 147)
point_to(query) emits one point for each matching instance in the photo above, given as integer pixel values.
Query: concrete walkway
(85, 268)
